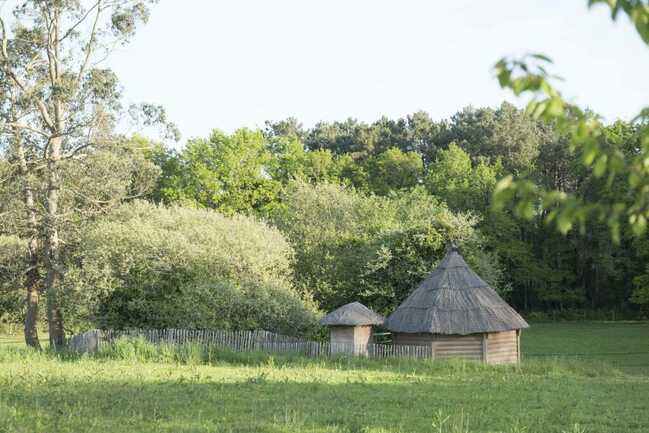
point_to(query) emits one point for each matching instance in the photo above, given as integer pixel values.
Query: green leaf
(542, 57)
(564, 223)
(552, 215)
(555, 107)
(590, 151)
(600, 166)
(640, 225)
(538, 109)
(503, 184)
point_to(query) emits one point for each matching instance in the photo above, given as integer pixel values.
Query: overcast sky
(227, 64)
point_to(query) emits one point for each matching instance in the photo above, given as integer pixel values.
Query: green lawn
(256, 393)
(11, 340)
(18, 340)
(624, 345)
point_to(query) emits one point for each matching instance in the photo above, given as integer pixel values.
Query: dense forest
(339, 212)
(308, 182)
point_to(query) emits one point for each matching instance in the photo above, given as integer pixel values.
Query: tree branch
(3, 29)
(5, 56)
(91, 42)
(81, 20)
(17, 125)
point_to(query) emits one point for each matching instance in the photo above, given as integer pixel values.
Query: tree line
(455, 162)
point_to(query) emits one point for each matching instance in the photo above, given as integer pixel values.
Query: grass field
(624, 345)
(137, 390)
(11, 340)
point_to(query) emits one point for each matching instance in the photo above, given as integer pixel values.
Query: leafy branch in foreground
(529, 76)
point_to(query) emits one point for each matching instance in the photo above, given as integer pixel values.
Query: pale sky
(228, 64)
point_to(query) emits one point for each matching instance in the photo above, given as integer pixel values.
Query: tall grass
(139, 350)
(289, 392)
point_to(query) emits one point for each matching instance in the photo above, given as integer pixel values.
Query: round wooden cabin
(455, 312)
(350, 328)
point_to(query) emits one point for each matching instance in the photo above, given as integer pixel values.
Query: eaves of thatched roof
(353, 314)
(454, 300)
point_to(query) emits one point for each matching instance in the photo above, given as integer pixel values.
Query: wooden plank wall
(444, 346)
(503, 348)
(406, 339)
(342, 339)
(496, 348)
(459, 346)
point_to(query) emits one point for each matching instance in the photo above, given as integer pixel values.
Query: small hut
(350, 327)
(455, 312)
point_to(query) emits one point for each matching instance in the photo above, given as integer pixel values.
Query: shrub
(154, 267)
(356, 247)
(13, 262)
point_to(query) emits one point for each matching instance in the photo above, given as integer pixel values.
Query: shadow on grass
(192, 401)
(140, 387)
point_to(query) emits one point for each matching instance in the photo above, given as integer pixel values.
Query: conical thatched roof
(353, 314)
(454, 300)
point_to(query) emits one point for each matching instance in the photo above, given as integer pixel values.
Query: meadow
(573, 379)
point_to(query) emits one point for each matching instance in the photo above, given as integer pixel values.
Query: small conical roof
(352, 314)
(454, 300)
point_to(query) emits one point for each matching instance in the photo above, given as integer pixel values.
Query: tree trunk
(53, 254)
(33, 295)
(55, 271)
(31, 315)
(31, 318)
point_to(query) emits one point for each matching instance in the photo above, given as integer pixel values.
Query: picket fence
(246, 341)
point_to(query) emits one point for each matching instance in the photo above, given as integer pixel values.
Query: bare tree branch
(91, 43)
(8, 125)
(3, 29)
(78, 23)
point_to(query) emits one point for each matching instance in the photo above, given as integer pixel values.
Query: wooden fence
(246, 341)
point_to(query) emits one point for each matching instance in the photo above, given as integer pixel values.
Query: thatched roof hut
(352, 314)
(457, 313)
(350, 327)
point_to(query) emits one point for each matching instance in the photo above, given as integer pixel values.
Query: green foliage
(460, 183)
(288, 158)
(149, 266)
(636, 10)
(58, 112)
(394, 170)
(318, 166)
(101, 180)
(588, 138)
(536, 268)
(13, 261)
(350, 246)
(416, 132)
(504, 134)
(105, 178)
(640, 293)
(227, 173)
(613, 172)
